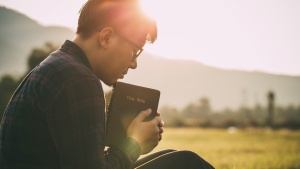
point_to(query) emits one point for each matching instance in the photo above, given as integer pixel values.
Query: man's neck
(88, 47)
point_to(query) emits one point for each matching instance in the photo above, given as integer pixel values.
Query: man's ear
(105, 36)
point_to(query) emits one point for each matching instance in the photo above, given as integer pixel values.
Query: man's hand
(147, 134)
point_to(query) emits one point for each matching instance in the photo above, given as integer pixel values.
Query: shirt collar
(74, 50)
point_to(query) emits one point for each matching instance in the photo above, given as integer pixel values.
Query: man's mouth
(123, 75)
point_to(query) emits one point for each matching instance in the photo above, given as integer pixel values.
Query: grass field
(238, 149)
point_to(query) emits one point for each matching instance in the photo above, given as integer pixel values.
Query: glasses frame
(135, 54)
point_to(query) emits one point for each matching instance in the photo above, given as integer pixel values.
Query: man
(56, 117)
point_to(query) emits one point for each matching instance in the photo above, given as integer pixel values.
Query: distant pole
(270, 118)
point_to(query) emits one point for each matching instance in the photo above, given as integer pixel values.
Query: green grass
(244, 149)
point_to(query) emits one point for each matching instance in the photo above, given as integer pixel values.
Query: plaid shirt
(56, 119)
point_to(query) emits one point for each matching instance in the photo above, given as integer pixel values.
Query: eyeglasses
(137, 50)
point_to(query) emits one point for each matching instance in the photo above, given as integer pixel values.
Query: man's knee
(192, 159)
(189, 154)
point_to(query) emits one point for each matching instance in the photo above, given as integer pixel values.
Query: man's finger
(142, 115)
(161, 130)
(161, 123)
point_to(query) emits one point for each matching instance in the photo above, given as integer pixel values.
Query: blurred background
(222, 67)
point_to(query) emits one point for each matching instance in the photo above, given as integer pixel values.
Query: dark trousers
(172, 159)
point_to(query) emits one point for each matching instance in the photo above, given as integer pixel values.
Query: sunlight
(150, 7)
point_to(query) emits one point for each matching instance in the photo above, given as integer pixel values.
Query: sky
(251, 35)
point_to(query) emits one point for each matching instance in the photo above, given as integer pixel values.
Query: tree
(7, 86)
(37, 55)
(271, 98)
(204, 106)
(199, 109)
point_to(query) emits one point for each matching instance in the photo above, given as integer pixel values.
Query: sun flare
(149, 7)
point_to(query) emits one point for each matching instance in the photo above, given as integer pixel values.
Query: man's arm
(76, 121)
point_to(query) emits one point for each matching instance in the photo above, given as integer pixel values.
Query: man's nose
(133, 64)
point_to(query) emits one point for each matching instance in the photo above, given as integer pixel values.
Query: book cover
(127, 101)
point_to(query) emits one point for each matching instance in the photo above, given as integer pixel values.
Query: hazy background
(233, 34)
(215, 62)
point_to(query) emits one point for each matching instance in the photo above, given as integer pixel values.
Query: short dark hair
(97, 14)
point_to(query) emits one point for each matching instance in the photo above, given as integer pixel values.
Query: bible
(126, 102)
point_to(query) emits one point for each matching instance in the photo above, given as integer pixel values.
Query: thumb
(142, 115)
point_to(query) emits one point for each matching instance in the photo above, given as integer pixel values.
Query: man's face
(119, 58)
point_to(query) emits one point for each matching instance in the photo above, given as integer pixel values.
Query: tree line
(201, 114)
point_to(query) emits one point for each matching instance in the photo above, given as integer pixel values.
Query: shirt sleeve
(76, 120)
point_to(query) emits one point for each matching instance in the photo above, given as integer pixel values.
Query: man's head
(119, 30)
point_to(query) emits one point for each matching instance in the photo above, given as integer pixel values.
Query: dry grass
(236, 149)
